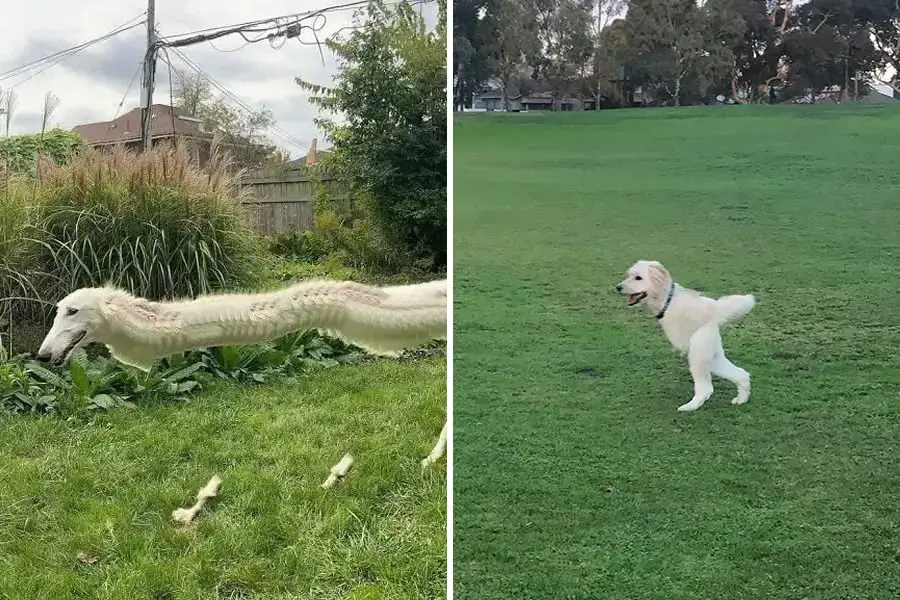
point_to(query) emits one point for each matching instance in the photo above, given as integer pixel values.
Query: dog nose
(43, 356)
(618, 288)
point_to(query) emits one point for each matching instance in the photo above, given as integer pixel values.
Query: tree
(564, 30)
(667, 36)
(607, 52)
(884, 29)
(516, 41)
(757, 51)
(243, 131)
(723, 30)
(682, 49)
(391, 148)
(474, 41)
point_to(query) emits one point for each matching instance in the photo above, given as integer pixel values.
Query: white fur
(137, 332)
(691, 322)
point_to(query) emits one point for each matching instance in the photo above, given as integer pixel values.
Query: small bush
(338, 241)
(91, 384)
(302, 245)
(284, 270)
(151, 223)
(20, 153)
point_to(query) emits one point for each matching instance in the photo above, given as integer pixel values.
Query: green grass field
(575, 477)
(85, 508)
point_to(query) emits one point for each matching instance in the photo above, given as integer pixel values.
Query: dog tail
(731, 308)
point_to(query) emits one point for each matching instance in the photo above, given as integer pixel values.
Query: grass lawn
(575, 477)
(85, 508)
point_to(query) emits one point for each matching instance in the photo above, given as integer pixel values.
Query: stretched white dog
(383, 320)
(691, 321)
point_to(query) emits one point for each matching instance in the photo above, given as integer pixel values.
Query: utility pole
(148, 78)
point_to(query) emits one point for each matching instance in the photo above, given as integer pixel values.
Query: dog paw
(739, 400)
(689, 407)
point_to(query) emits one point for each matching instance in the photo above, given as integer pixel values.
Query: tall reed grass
(151, 223)
(16, 251)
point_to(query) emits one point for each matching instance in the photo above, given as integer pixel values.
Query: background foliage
(20, 153)
(675, 52)
(391, 148)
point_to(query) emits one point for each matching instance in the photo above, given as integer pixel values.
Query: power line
(128, 89)
(236, 100)
(227, 93)
(271, 29)
(226, 29)
(57, 57)
(286, 26)
(168, 60)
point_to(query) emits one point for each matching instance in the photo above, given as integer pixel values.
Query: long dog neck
(382, 320)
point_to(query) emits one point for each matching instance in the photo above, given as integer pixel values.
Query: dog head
(79, 318)
(646, 279)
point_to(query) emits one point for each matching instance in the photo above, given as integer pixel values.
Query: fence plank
(280, 200)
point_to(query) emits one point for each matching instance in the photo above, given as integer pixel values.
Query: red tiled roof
(127, 128)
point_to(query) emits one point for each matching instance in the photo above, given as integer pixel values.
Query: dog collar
(668, 300)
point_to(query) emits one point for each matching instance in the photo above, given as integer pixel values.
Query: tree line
(675, 52)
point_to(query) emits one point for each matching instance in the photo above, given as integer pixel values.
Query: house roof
(877, 97)
(127, 128)
(496, 92)
(297, 162)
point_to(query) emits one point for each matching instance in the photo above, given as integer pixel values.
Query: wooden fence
(280, 199)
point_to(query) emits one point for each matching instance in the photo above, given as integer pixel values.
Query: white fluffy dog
(691, 321)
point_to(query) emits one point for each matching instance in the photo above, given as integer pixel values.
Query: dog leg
(724, 368)
(438, 450)
(700, 358)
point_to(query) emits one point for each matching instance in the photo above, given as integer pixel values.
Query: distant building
(167, 123)
(493, 100)
(877, 96)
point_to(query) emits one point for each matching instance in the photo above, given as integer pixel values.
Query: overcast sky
(91, 84)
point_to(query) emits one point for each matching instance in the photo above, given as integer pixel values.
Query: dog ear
(658, 274)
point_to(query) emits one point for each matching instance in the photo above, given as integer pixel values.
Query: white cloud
(91, 84)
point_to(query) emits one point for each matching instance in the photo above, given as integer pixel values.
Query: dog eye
(638, 278)
(70, 312)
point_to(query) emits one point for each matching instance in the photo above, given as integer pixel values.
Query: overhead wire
(293, 28)
(171, 89)
(277, 30)
(54, 59)
(235, 99)
(285, 27)
(128, 89)
(289, 17)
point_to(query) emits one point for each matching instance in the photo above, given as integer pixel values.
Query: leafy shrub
(20, 153)
(301, 245)
(357, 244)
(285, 356)
(151, 223)
(340, 243)
(86, 385)
(19, 392)
(283, 271)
